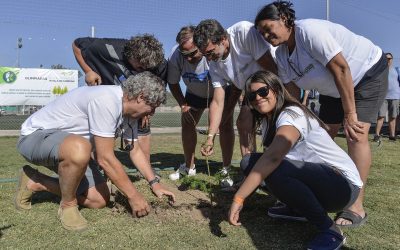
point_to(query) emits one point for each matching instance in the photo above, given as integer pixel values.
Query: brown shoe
(71, 219)
(23, 195)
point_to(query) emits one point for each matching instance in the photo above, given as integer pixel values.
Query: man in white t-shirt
(187, 62)
(234, 55)
(65, 134)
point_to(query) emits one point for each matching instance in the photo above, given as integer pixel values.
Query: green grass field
(180, 228)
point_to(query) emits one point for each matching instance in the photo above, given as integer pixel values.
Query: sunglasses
(262, 92)
(187, 54)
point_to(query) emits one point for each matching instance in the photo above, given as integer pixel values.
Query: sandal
(355, 218)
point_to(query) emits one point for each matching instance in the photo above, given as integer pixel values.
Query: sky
(48, 27)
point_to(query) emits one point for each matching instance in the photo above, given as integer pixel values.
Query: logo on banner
(9, 77)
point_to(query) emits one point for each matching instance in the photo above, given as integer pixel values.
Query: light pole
(327, 10)
(19, 46)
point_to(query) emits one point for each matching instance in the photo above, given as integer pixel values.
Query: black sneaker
(393, 139)
(377, 138)
(284, 212)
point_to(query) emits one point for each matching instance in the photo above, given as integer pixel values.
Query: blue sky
(48, 28)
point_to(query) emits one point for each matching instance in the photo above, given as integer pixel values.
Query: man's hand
(352, 127)
(207, 148)
(159, 190)
(139, 206)
(185, 108)
(145, 121)
(92, 78)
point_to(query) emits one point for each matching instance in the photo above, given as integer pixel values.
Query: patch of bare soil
(193, 204)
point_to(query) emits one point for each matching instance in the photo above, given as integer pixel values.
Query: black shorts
(197, 101)
(369, 95)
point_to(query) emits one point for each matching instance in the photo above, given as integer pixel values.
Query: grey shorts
(391, 106)
(368, 95)
(42, 147)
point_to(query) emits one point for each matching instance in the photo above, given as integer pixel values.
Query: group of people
(269, 60)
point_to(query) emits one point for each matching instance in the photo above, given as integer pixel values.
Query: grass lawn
(192, 223)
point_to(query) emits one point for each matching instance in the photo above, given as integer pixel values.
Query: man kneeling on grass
(63, 135)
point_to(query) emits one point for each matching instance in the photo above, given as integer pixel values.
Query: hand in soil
(139, 206)
(159, 190)
(234, 214)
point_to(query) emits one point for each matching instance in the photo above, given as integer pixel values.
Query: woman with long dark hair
(301, 165)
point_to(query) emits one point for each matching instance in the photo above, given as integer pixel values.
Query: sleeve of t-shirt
(255, 44)
(103, 118)
(299, 121)
(84, 42)
(216, 78)
(174, 71)
(320, 43)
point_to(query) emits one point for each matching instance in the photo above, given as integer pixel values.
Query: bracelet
(154, 181)
(239, 200)
(211, 135)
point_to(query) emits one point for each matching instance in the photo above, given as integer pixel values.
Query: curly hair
(283, 100)
(146, 49)
(209, 30)
(276, 11)
(147, 84)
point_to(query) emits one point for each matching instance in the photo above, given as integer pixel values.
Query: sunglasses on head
(262, 92)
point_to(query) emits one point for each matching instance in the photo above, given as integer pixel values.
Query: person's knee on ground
(95, 197)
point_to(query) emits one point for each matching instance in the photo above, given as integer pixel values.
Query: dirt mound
(193, 204)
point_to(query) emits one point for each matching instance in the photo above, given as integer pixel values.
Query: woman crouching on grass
(302, 166)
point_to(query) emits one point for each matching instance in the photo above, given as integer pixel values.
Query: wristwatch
(155, 180)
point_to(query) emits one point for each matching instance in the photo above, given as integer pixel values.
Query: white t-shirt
(315, 145)
(195, 76)
(246, 47)
(317, 42)
(84, 111)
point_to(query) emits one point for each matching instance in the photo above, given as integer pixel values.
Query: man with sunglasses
(187, 62)
(234, 55)
(110, 61)
(390, 105)
(74, 136)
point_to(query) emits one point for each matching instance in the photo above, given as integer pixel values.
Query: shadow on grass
(167, 161)
(44, 197)
(4, 228)
(265, 232)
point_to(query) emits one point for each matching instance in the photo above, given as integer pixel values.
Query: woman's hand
(234, 212)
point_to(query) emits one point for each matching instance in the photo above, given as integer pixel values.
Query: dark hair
(283, 101)
(146, 49)
(389, 54)
(276, 11)
(185, 34)
(209, 30)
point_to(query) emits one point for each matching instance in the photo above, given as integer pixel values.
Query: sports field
(192, 223)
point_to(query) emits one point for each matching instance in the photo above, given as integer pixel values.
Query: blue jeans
(313, 189)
